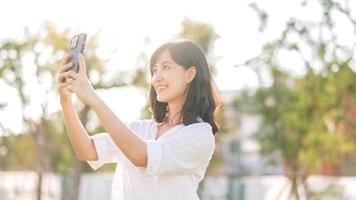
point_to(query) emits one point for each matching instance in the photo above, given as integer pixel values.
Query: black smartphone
(77, 45)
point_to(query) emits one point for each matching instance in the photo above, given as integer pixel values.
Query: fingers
(65, 67)
(82, 67)
(61, 85)
(65, 76)
(69, 88)
(60, 78)
(69, 81)
(71, 74)
(65, 86)
(65, 59)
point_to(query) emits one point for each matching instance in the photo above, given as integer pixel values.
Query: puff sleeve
(106, 148)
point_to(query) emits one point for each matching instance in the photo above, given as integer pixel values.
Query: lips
(161, 88)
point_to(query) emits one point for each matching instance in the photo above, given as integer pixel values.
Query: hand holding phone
(77, 45)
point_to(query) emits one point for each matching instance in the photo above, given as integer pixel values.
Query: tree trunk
(39, 141)
(294, 189)
(39, 186)
(306, 190)
(41, 154)
(78, 168)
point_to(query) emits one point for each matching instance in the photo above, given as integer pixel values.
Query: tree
(307, 120)
(44, 139)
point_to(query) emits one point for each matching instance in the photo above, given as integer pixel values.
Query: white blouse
(177, 162)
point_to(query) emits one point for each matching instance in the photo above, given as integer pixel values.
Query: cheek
(180, 82)
(175, 80)
(179, 86)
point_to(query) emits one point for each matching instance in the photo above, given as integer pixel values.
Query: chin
(163, 99)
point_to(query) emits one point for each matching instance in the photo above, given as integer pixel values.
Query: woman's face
(170, 79)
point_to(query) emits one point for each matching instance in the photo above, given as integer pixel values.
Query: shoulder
(198, 137)
(199, 128)
(201, 132)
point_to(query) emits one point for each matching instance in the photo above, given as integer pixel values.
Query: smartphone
(77, 45)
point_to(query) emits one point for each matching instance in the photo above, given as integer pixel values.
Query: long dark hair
(203, 99)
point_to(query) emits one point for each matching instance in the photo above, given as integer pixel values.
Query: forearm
(129, 143)
(82, 144)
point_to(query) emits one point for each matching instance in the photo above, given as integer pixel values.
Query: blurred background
(286, 72)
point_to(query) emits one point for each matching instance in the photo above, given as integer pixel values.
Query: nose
(156, 77)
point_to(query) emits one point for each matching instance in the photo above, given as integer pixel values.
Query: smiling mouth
(161, 88)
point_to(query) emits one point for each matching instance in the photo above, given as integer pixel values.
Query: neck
(174, 112)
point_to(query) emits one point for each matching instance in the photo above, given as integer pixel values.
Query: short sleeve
(106, 148)
(188, 152)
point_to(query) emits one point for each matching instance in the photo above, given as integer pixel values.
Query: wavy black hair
(203, 99)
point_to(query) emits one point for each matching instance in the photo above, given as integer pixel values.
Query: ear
(190, 74)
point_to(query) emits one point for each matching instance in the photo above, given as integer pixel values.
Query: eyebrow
(166, 61)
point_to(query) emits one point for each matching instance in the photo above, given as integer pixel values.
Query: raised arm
(129, 143)
(83, 146)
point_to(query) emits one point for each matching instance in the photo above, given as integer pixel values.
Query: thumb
(82, 67)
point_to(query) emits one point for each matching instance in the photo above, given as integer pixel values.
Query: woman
(164, 158)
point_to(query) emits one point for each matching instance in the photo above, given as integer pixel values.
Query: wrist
(65, 101)
(95, 100)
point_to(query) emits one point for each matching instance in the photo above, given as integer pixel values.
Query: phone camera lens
(74, 42)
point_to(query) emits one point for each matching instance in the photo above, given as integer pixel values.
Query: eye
(165, 67)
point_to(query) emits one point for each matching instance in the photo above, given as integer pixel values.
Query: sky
(123, 25)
